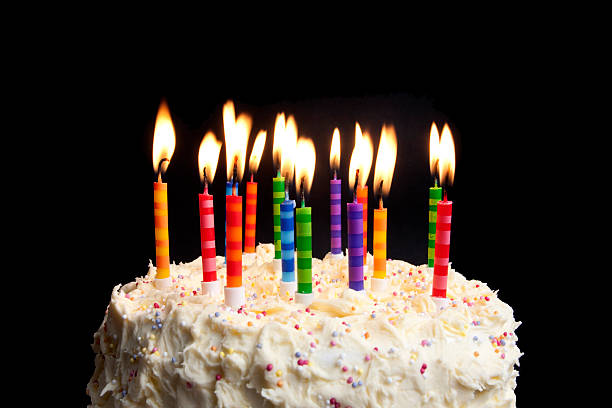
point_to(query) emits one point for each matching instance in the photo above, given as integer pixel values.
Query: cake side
(389, 349)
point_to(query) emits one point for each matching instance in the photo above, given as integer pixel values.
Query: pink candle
(207, 237)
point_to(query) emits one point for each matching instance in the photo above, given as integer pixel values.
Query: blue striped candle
(287, 240)
(335, 211)
(355, 244)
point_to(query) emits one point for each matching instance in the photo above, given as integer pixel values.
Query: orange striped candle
(380, 243)
(162, 241)
(233, 213)
(250, 217)
(362, 197)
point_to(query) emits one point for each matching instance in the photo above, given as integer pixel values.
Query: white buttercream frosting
(179, 348)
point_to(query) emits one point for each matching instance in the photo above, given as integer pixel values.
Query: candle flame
(434, 147)
(447, 157)
(279, 132)
(208, 156)
(304, 165)
(287, 152)
(385, 161)
(163, 137)
(334, 153)
(361, 158)
(256, 151)
(236, 138)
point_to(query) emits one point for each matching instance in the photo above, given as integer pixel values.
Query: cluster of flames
(296, 156)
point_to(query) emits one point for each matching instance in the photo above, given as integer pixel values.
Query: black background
(106, 216)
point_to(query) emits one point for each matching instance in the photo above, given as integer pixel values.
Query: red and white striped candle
(207, 237)
(443, 230)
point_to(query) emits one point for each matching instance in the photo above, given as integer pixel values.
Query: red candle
(446, 166)
(443, 230)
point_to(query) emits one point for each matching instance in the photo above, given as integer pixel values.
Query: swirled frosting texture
(178, 348)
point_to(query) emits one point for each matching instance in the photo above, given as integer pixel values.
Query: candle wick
(445, 198)
(251, 177)
(335, 174)
(160, 169)
(380, 203)
(356, 183)
(302, 191)
(205, 181)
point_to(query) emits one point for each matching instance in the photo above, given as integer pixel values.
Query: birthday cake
(179, 348)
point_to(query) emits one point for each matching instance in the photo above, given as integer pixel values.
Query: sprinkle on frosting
(189, 349)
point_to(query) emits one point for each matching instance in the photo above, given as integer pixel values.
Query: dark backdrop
(107, 176)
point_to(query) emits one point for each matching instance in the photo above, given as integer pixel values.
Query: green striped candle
(435, 195)
(278, 196)
(304, 249)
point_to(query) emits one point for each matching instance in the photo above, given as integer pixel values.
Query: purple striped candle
(335, 211)
(354, 216)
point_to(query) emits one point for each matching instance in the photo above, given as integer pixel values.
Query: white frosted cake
(178, 348)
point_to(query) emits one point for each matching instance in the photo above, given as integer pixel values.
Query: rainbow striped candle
(355, 244)
(162, 239)
(362, 198)
(380, 243)
(335, 211)
(278, 196)
(303, 223)
(287, 240)
(207, 237)
(233, 214)
(250, 217)
(443, 230)
(435, 195)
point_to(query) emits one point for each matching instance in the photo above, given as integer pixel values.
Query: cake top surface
(291, 355)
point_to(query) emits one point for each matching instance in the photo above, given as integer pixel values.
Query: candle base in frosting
(212, 288)
(163, 283)
(248, 258)
(234, 296)
(277, 264)
(337, 257)
(441, 302)
(287, 287)
(304, 298)
(378, 285)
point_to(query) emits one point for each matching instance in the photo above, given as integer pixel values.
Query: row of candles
(295, 157)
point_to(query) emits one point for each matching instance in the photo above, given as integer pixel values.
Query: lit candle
(278, 189)
(304, 172)
(383, 175)
(251, 197)
(208, 157)
(354, 218)
(236, 139)
(335, 198)
(435, 193)
(288, 285)
(163, 148)
(443, 223)
(359, 169)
